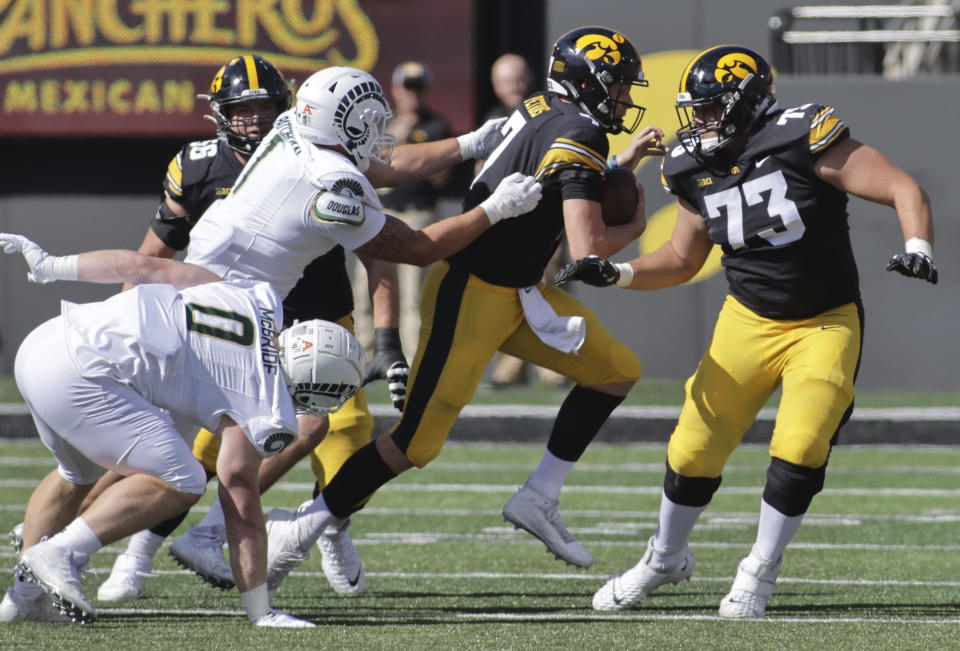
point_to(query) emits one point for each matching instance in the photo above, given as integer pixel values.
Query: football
(619, 196)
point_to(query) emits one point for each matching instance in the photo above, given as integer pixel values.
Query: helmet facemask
(364, 130)
(228, 124)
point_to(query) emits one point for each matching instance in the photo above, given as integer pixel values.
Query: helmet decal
(598, 46)
(735, 64)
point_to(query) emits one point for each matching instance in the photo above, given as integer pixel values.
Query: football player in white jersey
(134, 374)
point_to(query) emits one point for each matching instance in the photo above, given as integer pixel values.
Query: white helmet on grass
(322, 363)
(345, 106)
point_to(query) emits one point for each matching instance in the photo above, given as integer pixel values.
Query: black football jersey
(563, 148)
(783, 231)
(203, 172)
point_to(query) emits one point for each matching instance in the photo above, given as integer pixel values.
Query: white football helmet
(322, 364)
(345, 106)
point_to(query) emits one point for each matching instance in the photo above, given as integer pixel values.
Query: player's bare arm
(153, 245)
(647, 142)
(396, 242)
(104, 266)
(863, 171)
(588, 235)
(675, 262)
(414, 162)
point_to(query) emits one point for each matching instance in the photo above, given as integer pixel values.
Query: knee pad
(689, 491)
(790, 488)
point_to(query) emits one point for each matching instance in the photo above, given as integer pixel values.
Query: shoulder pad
(353, 185)
(815, 124)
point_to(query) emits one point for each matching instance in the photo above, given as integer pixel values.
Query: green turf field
(875, 565)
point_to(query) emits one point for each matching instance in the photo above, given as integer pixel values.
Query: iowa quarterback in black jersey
(770, 187)
(490, 296)
(246, 96)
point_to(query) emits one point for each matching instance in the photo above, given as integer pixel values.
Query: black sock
(359, 477)
(581, 416)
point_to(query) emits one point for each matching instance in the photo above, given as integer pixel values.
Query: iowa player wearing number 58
(770, 187)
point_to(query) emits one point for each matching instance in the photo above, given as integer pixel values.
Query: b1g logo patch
(277, 442)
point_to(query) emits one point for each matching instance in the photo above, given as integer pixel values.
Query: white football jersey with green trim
(292, 203)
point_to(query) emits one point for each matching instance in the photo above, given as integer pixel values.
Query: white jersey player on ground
(132, 375)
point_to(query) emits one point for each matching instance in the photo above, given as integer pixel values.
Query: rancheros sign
(115, 66)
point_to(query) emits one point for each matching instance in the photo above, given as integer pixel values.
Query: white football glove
(517, 194)
(44, 268)
(479, 143)
(278, 619)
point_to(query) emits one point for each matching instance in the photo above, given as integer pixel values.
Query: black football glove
(914, 265)
(592, 270)
(389, 364)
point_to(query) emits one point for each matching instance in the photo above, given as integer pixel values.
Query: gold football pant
(815, 360)
(351, 427)
(464, 321)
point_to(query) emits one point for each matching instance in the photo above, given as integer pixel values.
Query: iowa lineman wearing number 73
(770, 187)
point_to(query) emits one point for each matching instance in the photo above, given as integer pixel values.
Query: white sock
(548, 478)
(676, 523)
(145, 543)
(774, 532)
(214, 517)
(255, 602)
(79, 538)
(312, 520)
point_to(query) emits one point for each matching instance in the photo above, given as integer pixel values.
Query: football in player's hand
(619, 196)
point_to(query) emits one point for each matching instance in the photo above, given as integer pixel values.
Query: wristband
(467, 146)
(626, 274)
(64, 267)
(612, 162)
(918, 245)
(256, 602)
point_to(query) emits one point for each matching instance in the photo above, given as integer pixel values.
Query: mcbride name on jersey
(783, 230)
(201, 353)
(203, 172)
(563, 148)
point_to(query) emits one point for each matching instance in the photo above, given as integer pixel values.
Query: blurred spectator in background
(512, 80)
(416, 203)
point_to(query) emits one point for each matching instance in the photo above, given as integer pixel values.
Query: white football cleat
(200, 550)
(284, 551)
(39, 609)
(54, 569)
(756, 579)
(655, 569)
(277, 619)
(127, 578)
(341, 563)
(16, 536)
(537, 515)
